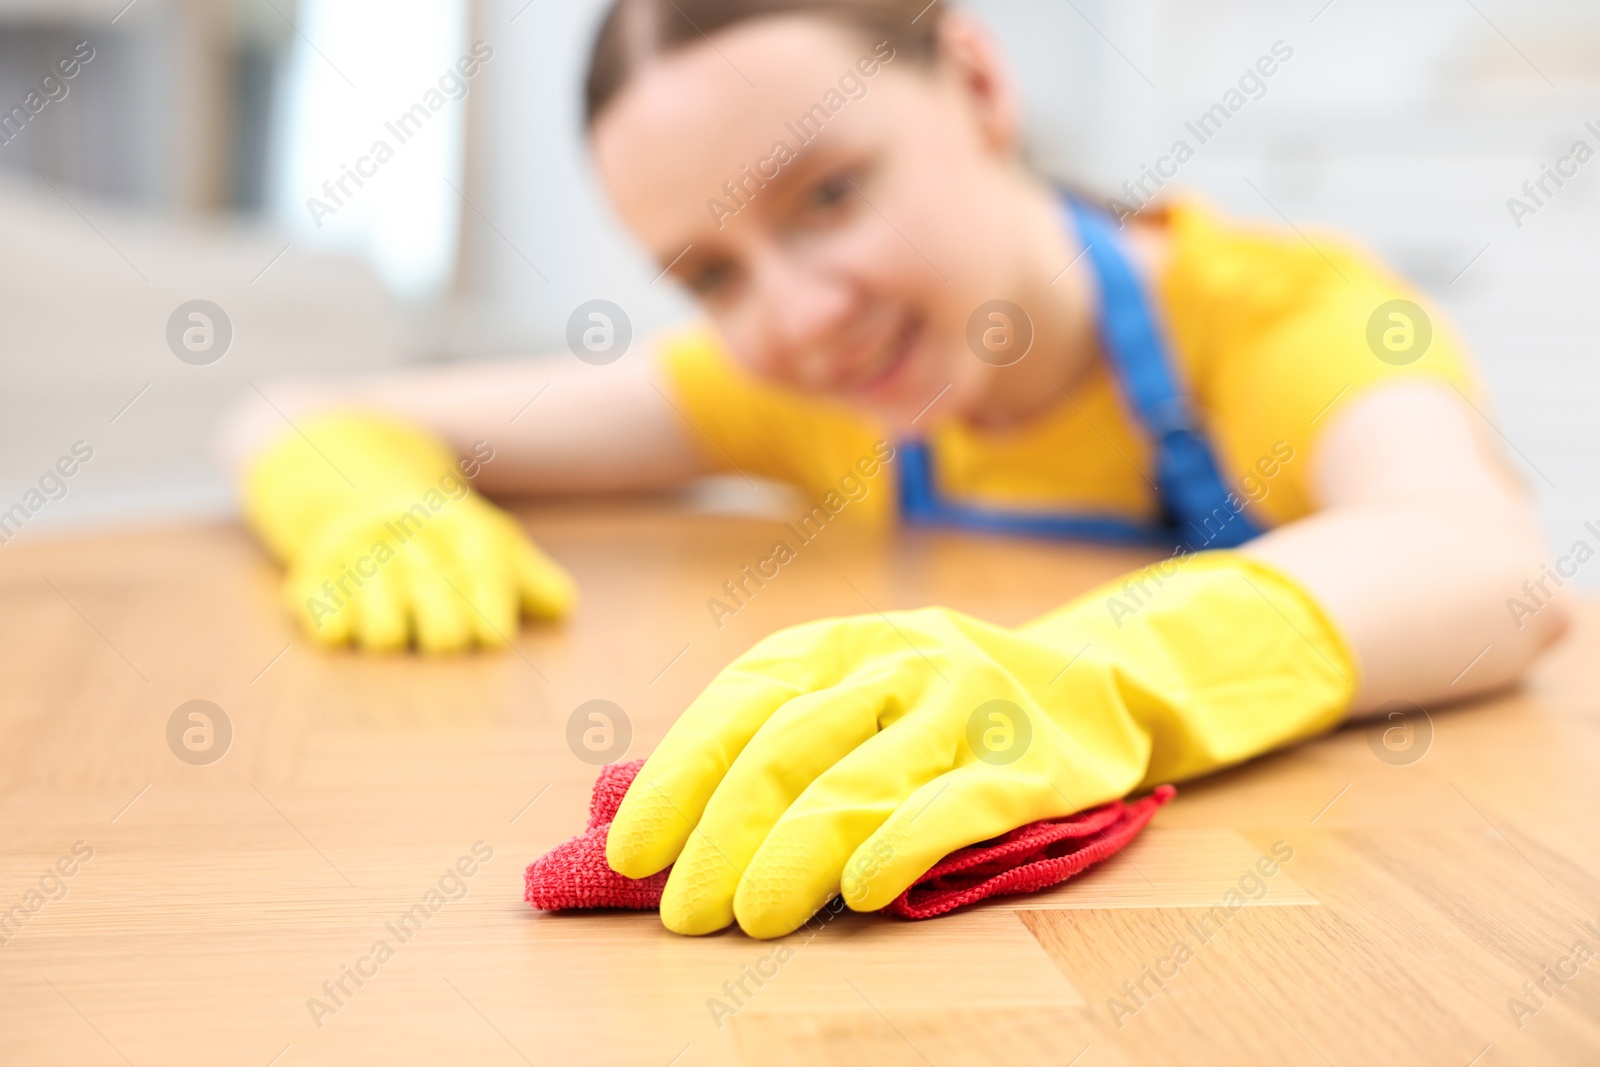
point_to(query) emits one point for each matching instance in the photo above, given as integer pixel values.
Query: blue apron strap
(1193, 494)
(1194, 498)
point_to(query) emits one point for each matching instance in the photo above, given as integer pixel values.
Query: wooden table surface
(204, 906)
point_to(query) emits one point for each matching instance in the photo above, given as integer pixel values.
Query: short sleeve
(763, 430)
(1281, 332)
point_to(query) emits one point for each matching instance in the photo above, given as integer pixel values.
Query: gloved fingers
(800, 741)
(381, 613)
(966, 805)
(439, 612)
(487, 584)
(493, 608)
(805, 858)
(675, 783)
(972, 803)
(322, 610)
(545, 588)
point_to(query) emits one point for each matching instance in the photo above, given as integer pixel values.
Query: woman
(888, 288)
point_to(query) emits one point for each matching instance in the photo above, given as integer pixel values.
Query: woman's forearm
(1422, 550)
(1422, 593)
(554, 426)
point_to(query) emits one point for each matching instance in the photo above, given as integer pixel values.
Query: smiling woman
(847, 297)
(850, 276)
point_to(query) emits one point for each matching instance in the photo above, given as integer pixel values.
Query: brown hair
(636, 31)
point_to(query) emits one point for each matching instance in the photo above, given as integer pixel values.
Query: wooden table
(1421, 893)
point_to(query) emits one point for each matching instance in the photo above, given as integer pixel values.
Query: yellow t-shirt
(1270, 335)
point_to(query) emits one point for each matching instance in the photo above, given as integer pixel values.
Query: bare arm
(557, 426)
(1424, 536)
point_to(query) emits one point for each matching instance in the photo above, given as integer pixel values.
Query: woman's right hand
(387, 545)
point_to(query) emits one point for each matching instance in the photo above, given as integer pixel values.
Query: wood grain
(220, 898)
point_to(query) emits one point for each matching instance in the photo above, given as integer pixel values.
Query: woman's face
(838, 210)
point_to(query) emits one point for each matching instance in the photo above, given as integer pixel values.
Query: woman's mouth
(893, 366)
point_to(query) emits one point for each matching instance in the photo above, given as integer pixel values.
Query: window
(373, 128)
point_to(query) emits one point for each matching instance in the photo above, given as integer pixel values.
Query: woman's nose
(804, 310)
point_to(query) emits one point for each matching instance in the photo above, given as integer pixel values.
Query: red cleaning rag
(1029, 858)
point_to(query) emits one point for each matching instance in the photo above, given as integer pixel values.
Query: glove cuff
(1217, 656)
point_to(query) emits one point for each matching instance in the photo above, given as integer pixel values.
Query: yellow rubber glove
(852, 754)
(385, 542)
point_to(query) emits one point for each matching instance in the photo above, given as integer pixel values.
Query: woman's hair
(637, 31)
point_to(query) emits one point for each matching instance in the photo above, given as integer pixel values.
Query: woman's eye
(707, 280)
(830, 192)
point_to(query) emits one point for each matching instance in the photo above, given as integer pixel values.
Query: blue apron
(1195, 509)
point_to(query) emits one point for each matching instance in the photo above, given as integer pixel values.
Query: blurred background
(180, 159)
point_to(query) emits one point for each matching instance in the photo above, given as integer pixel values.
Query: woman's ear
(971, 59)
